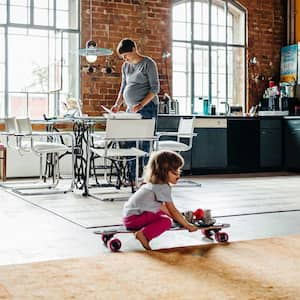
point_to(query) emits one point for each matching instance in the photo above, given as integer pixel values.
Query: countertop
(229, 116)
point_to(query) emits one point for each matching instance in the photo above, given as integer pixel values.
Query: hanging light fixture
(91, 52)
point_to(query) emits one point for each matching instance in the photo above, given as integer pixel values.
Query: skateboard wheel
(114, 245)
(207, 233)
(221, 237)
(105, 238)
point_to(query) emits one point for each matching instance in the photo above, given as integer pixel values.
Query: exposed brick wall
(266, 35)
(146, 22)
(149, 24)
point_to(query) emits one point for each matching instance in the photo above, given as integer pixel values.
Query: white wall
(27, 164)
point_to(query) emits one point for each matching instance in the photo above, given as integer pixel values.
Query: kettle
(227, 107)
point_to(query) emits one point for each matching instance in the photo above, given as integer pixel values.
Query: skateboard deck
(108, 233)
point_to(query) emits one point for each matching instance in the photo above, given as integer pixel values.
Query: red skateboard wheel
(221, 237)
(114, 245)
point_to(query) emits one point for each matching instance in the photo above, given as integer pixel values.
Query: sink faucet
(227, 107)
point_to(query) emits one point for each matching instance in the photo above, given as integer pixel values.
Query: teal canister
(205, 106)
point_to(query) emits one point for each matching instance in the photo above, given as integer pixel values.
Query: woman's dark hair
(126, 45)
(159, 165)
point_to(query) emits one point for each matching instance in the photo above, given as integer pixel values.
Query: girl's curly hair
(159, 165)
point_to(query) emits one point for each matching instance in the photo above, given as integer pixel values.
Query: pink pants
(152, 224)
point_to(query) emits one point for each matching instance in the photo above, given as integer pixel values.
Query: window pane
(218, 70)
(201, 59)
(30, 66)
(20, 2)
(70, 87)
(182, 21)
(55, 67)
(181, 31)
(37, 105)
(182, 77)
(63, 4)
(3, 12)
(26, 104)
(62, 19)
(17, 104)
(2, 114)
(236, 63)
(236, 25)
(2, 49)
(201, 32)
(67, 14)
(44, 4)
(179, 84)
(43, 17)
(19, 11)
(180, 12)
(179, 58)
(201, 13)
(2, 73)
(218, 21)
(201, 81)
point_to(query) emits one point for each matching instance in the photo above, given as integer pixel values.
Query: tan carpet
(259, 269)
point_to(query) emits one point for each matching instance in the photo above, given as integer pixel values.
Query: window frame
(28, 26)
(192, 44)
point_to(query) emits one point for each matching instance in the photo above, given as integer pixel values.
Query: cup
(207, 219)
(212, 110)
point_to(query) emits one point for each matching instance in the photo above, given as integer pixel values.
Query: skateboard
(114, 244)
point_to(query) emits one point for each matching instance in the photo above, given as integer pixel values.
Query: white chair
(10, 129)
(12, 142)
(185, 132)
(28, 141)
(123, 131)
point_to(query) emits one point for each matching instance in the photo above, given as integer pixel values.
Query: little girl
(150, 210)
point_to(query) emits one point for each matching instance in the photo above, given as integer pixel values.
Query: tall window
(39, 64)
(209, 43)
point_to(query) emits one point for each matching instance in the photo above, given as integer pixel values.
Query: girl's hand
(192, 228)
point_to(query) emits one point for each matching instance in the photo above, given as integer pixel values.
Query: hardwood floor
(254, 204)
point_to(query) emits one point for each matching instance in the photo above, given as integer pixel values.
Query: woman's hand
(136, 108)
(115, 108)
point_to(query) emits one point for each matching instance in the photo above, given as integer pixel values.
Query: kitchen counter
(240, 143)
(229, 116)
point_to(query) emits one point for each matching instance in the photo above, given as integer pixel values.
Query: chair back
(186, 126)
(24, 126)
(130, 129)
(10, 125)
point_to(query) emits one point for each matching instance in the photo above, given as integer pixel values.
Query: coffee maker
(168, 105)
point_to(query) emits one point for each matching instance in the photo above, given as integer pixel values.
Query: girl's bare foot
(139, 235)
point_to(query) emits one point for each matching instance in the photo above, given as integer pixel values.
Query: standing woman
(139, 87)
(140, 83)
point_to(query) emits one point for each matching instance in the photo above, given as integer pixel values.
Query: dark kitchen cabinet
(209, 149)
(271, 143)
(292, 144)
(243, 144)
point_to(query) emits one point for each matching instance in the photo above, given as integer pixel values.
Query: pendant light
(91, 52)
